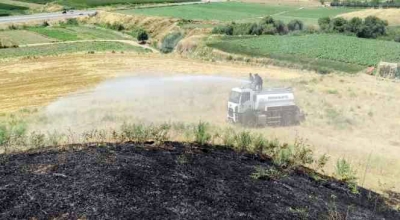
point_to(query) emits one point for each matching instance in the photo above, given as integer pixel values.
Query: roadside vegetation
(366, 4)
(96, 3)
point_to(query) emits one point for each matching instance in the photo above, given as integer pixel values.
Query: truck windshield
(234, 97)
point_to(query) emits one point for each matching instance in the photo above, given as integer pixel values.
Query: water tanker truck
(268, 107)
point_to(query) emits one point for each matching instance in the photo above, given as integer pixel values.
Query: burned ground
(129, 181)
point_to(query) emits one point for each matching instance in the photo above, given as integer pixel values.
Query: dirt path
(130, 42)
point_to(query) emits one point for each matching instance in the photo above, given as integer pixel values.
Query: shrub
(72, 21)
(269, 29)
(295, 25)
(397, 38)
(228, 138)
(202, 135)
(142, 36)
(280, 27)
(345, 173)
(37, 140)
(354, 25)
(45, 24)
(115, 26)
(242, 29)
(170, 41)
(372, 27)
(324, 23)
(339, 24)
(226, 29)
(267, 20)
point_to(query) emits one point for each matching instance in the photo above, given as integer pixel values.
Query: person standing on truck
(258, 82)
(252, 81)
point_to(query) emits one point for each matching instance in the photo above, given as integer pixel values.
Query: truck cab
(271, 106)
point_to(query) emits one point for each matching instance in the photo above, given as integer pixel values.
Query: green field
(18, 37)
(71, 33)
(235, 11)
(63, 48)
(94, 3)
(6, 9)
(333, 51)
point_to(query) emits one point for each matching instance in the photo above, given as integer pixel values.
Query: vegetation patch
(62, 48)
(344, 53)
(236, 11)
(6, 9)
(19, 37)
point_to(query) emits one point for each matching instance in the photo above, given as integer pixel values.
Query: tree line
(370, 27)
(267, 26)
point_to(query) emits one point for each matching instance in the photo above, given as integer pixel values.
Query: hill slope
(177, 182)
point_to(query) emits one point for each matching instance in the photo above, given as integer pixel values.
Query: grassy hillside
(6, 9)
(94, 3)
(235, 11)
(334, 51)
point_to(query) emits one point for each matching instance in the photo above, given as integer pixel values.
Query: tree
(267, 20)
(322, 2)
(295, 25)
(372, 27)
(339, 24)
(280, 27)
(142, 36)
(324, 23)
(354, 25)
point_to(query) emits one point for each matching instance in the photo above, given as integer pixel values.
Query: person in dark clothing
(258, 82)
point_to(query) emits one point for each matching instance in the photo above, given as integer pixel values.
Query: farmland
(235, 11)
(71, 33)
(56, 49)
(6, 9)
(18, 37)
(338, 48)
(95, 3)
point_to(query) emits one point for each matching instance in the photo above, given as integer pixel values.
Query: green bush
(225, 29)
(72, 22)
(170, 41)
(243, 28)
(397, 38)
(354, 25)
(339, 24)
(267, 20)
(345, 173)
(142, 36)
(295, 25)
(325, 23)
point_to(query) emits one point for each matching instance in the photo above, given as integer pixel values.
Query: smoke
(161, 99)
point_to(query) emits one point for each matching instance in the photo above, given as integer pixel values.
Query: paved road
(44, 16)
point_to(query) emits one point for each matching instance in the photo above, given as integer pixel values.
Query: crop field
(94, 3)
(18, 37)
(345, 49)
(62, 48)
(235, 11)
(71, 33)
(6, 9)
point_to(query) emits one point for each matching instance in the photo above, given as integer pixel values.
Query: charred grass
(170, 181)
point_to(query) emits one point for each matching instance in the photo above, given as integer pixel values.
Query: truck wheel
(249, 119)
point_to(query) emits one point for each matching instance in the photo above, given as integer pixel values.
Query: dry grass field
(391, 15)
(354, 117)
(19, 37)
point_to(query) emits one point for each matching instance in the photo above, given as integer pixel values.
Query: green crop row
(327, 47)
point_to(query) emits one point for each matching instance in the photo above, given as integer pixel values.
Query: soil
(175, 181)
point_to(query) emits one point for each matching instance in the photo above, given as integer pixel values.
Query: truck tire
(249, 119)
